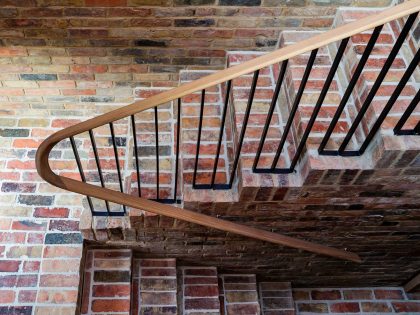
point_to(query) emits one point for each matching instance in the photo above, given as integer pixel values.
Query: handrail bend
(277, 56)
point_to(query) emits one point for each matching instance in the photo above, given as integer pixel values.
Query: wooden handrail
(285, 53)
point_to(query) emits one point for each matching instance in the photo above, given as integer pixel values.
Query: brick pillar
(154, 286)
(240, 294)
(106, 283)
(200, 290)
(276, 298)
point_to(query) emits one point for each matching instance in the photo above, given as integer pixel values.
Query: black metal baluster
(200, 125)
(157, 153)
(293, 111)
(98, 165)
(417, 129)
(349, 90)
(413, 65)
(117, 161)
(178, 135)
(82, 174)
(320, 101)
(244, 124)
(270, 113)
(136, 154)
(406, 115)
(222, 127)
(376, 86)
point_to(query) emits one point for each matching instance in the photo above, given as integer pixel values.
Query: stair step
(200, 291)
(154, 286)
(106, 281)
(276, 298)
(239, 293)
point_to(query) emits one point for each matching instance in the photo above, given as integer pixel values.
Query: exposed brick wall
(56, 71)
(59, 52)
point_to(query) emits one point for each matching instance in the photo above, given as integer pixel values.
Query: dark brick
(382, 193)
(39, 77)
(8, 12)
(16, 310)
(88, 12)
(99, 99)
(326, 295)
(202, 303)
(194, 22)
(119, 141)
(111, 276)
(265, 42)
(18, 187)
(60, 238)
(151, 151)
(194, 2)
(191, 61)
(240, 2)
(109, 42)
(313, 307)
(14, 132)
(129, 52)
(8, 281)
(151, 43)
(151, 59)
(36, 200)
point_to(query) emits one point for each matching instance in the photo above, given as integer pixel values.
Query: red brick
(345, 307)
(401, 307)
(7, 296)
(27, 296)
(326, 295)
(385, 294)
(201, 291)
(16, 164)
(51, 212)
(11, 52)
(27, 281)
(31, 266)
(89, 68)
(79, 92)
(110, 305)
(9, 265)
(111, 290)
(11, 92)
(60, 280)
(12, 237)
(26, 143)
(63, 123)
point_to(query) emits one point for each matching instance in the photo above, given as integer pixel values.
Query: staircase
(304, 151)
(117, 281)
